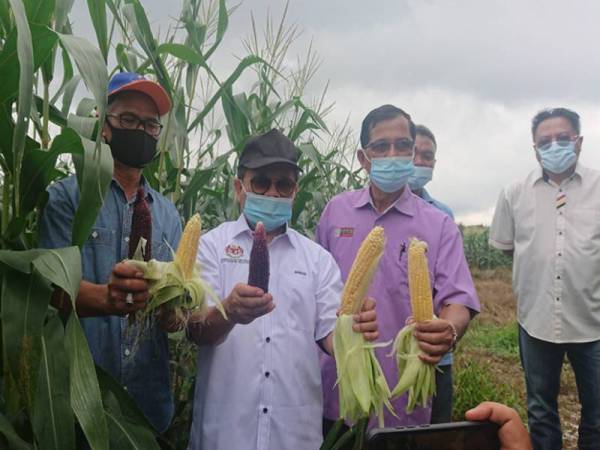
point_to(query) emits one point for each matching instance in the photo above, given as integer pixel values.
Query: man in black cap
(258, 370)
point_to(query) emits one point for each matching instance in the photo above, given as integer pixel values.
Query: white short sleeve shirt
(261, 387)
(555, 234)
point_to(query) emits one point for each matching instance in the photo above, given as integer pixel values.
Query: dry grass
(498, 310)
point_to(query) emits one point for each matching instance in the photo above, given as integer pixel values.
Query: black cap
(269, 148)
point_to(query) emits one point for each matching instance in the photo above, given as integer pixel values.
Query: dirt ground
(498, 308)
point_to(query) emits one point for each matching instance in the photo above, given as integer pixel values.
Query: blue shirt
(143, 368)
(447, 358)
(439, 205)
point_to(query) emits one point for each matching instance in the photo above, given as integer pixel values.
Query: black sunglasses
(261, 184)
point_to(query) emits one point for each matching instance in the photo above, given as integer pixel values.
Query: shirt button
(558, 299)
(127, 352)
(558, 277)
(267, 374)
(95, 234)
(560, 233)
(560, 254)
(268, 340)
(265, 410)
(127, 239)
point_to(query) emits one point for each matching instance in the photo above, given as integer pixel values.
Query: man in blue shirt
(424, 159)
(425, 151)
(111, 290)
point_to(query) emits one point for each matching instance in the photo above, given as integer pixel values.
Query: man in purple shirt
(387, 140)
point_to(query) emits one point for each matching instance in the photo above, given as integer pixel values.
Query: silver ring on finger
(129, 298)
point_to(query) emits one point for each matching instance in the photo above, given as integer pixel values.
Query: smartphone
(446, 436)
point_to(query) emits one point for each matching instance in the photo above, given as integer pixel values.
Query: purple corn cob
(258, 274)
(141, 226)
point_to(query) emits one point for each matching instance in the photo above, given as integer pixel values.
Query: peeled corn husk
(363, 389)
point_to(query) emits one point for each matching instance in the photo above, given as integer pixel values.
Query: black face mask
(134, 148)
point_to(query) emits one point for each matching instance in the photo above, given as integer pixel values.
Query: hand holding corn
(125, 280)
(365, 321)
(415, 376)
(363, 390)
(246, 303)
(435, 338)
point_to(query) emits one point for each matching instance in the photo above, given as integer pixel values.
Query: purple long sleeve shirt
(345, 222)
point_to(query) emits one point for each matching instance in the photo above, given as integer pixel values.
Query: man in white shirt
(550, 222)
(259, 382)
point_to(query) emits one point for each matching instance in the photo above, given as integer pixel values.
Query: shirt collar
(540, 175)
(148, 191)
(240, 226)
(405, 203)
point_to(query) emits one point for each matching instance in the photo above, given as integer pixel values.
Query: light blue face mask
(391, 174)
(273, 212)
(557, 158)
(420, 177)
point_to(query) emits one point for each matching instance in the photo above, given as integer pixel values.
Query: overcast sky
(473, 71)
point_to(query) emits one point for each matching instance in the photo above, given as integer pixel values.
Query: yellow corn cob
(418, 281)
(362, 271)
(185, 257)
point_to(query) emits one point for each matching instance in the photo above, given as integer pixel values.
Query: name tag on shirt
(344, 232)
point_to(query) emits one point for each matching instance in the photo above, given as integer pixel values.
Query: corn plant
(49, 385)
(50, 389)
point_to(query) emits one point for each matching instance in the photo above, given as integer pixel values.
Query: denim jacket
(143, 369)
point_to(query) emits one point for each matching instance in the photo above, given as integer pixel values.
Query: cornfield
(51, 393)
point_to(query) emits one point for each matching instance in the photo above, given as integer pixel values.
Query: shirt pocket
(99, 255)
(586, 228)
(160, 248)
(299, 300)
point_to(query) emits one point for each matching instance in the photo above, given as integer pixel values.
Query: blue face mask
(420, 178)
(556, 158)
(273, 212)
(391, 174)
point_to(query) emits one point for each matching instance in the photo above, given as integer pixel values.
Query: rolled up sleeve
(453, 283)
(502, 231)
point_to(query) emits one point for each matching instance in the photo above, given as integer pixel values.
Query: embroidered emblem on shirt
(561, 200)
(234, 251)
(344, 232)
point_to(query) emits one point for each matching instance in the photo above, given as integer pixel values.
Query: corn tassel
(185, 257)
(362, 271)
(418, 281)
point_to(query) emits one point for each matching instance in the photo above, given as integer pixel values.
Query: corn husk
(363, 389)
(169, 287)
(416, 376)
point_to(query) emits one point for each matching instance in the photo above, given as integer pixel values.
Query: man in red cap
(110, 290)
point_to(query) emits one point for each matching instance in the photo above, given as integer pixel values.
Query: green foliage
(479, 253)
(499, 340)
(473, 385)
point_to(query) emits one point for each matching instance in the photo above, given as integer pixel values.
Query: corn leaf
(127, 425)
(86, 400)
(97, 175)
(53, 420)
(14, 440)
(25, 298)
(97, 10)
(43, 40)
(25, 53)
(241, 67)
